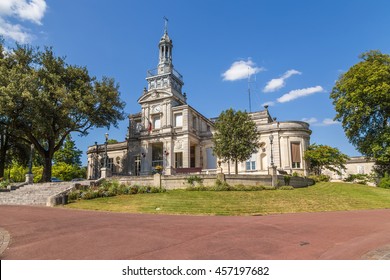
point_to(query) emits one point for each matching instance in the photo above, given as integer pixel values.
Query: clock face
(157, 109)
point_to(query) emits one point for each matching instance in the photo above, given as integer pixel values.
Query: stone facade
(174, 136)
(355, 165)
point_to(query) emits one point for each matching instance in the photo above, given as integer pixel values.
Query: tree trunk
(3, 153)
(46, 176)
(229, 166)
(236, 166)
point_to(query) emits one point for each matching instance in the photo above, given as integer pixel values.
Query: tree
(325, 157)
(68, 153)
(236, 137)
(45, 99)
(361, 98)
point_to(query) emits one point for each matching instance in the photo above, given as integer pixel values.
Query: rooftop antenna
(166, 24)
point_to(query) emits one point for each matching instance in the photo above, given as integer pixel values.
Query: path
(58, 233)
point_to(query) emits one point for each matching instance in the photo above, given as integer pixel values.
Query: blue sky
(294, 51)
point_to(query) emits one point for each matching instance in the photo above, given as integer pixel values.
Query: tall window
(179, 160)
(156, 122)
(296, 155)
(178, 120)
(250, 164)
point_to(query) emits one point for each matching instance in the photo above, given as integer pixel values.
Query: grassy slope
(321, 197)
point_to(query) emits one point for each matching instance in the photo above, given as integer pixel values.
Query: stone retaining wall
(180, 181)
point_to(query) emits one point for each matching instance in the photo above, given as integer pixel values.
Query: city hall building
(171, 134)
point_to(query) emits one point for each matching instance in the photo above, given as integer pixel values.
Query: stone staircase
(35, 194)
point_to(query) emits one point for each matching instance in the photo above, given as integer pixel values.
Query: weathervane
(166, 24)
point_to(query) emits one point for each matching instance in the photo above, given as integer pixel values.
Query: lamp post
(271, 140)
(29, 175)
(30, 163)
(96, 176)
(105, 152)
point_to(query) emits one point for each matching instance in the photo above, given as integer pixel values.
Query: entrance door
(157, 154)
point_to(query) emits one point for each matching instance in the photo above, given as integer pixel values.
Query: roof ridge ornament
(166, 25)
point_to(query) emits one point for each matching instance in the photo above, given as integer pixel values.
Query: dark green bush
(194, 179)
(286, 179)
(385, 182)
(320, 178)
(286, 188)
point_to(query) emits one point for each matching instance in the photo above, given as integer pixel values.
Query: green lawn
(321, 197)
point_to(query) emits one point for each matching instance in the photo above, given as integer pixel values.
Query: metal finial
(166, 24)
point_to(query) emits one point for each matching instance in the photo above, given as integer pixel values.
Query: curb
(382, 253)
(4, 240)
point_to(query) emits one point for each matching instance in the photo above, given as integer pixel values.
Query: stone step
(35, 194)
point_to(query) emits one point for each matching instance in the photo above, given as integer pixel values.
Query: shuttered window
(296, 155)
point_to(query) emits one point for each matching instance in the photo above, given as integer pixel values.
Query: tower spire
(166, 25)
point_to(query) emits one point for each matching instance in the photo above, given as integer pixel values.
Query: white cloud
(241, 70)
(310, 120)
(294, 94)
(14, 31)
(269, 103)
(279, 83)
(327, 122)
(22, 10)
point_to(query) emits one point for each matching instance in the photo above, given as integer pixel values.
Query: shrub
(225, 187)
(385, 182)
(287, 179)
(286, 188)
(320, 178)
(157, 190)
(4, 184)
(295, 174)
(194, 179)
(358, 178)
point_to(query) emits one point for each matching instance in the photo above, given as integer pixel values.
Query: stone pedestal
(221, 177)
(29, 178)
(105, 172)
(157, 180)
(272, 172)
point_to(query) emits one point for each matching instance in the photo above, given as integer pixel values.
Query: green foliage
(320, 178)
(68, 153)
(361, 98)
(385, 182)
(109, 189)
(295, 174)
(16, 172)
(223, 186)
(286, 188)
(67, 172)
(323, 156)
(112, 141)
(44, 99)
(4, 183)
(236, 137)
(358, 178)
(194, 179)
(286, 179)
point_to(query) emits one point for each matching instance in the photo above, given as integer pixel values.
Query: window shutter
(296, 152)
